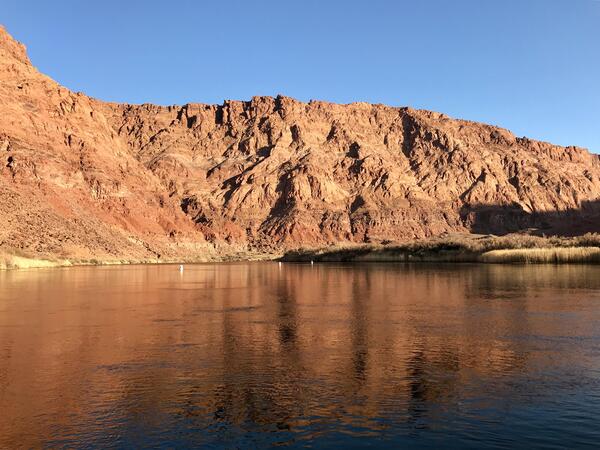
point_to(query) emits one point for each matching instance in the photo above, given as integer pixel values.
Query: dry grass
(558, 255)
(20, 262)
(481, 244)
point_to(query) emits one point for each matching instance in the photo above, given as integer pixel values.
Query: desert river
(250, 355)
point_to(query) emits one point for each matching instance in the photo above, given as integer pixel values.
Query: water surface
(330, 355)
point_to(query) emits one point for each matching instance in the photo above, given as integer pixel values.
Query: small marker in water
(311, 262)
(279, 263)
(181, 267)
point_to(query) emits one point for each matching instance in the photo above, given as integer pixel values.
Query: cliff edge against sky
(82, 179)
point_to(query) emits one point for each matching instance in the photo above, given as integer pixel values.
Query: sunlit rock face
(85, 178)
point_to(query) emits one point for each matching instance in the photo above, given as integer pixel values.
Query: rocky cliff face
(83, 178)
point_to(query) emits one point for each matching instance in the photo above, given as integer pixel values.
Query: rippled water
(250, 355)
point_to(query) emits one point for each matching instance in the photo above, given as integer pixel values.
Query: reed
(557, 255)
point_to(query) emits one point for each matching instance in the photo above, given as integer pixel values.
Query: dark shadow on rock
(505, 219)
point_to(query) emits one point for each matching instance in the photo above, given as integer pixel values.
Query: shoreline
(485, 249)
(549, 256)
(13, 262)
(460, 248)
(564, 255)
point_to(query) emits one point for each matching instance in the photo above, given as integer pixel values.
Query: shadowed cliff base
(499, 234)
(505, 219)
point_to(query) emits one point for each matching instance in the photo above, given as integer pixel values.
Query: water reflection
(245, 355)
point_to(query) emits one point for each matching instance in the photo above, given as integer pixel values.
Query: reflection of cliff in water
(280, 348)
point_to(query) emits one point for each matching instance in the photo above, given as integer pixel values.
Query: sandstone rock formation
(82, 178)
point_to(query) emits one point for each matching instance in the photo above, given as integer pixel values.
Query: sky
(532, 66)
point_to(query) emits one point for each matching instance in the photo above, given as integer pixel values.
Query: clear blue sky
(532, 66)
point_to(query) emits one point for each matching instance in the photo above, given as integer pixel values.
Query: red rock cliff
(84, 178)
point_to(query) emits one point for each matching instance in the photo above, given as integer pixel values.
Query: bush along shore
(510, 249)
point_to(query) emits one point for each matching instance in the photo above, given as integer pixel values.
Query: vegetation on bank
(19, 262)
(515, 248)
(559, 255)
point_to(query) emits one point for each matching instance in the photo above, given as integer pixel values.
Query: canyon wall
(82, 178)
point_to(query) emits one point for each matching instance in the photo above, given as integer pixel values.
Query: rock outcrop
(82, 178)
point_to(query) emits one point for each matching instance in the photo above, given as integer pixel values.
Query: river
(248, 355)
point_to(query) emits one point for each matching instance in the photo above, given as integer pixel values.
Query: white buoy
(279, 263)
(311, 262)
(181, 268)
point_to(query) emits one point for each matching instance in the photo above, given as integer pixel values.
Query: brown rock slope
(81, 178)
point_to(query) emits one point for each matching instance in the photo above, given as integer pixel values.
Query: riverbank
(511, 249)
(12, 262)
